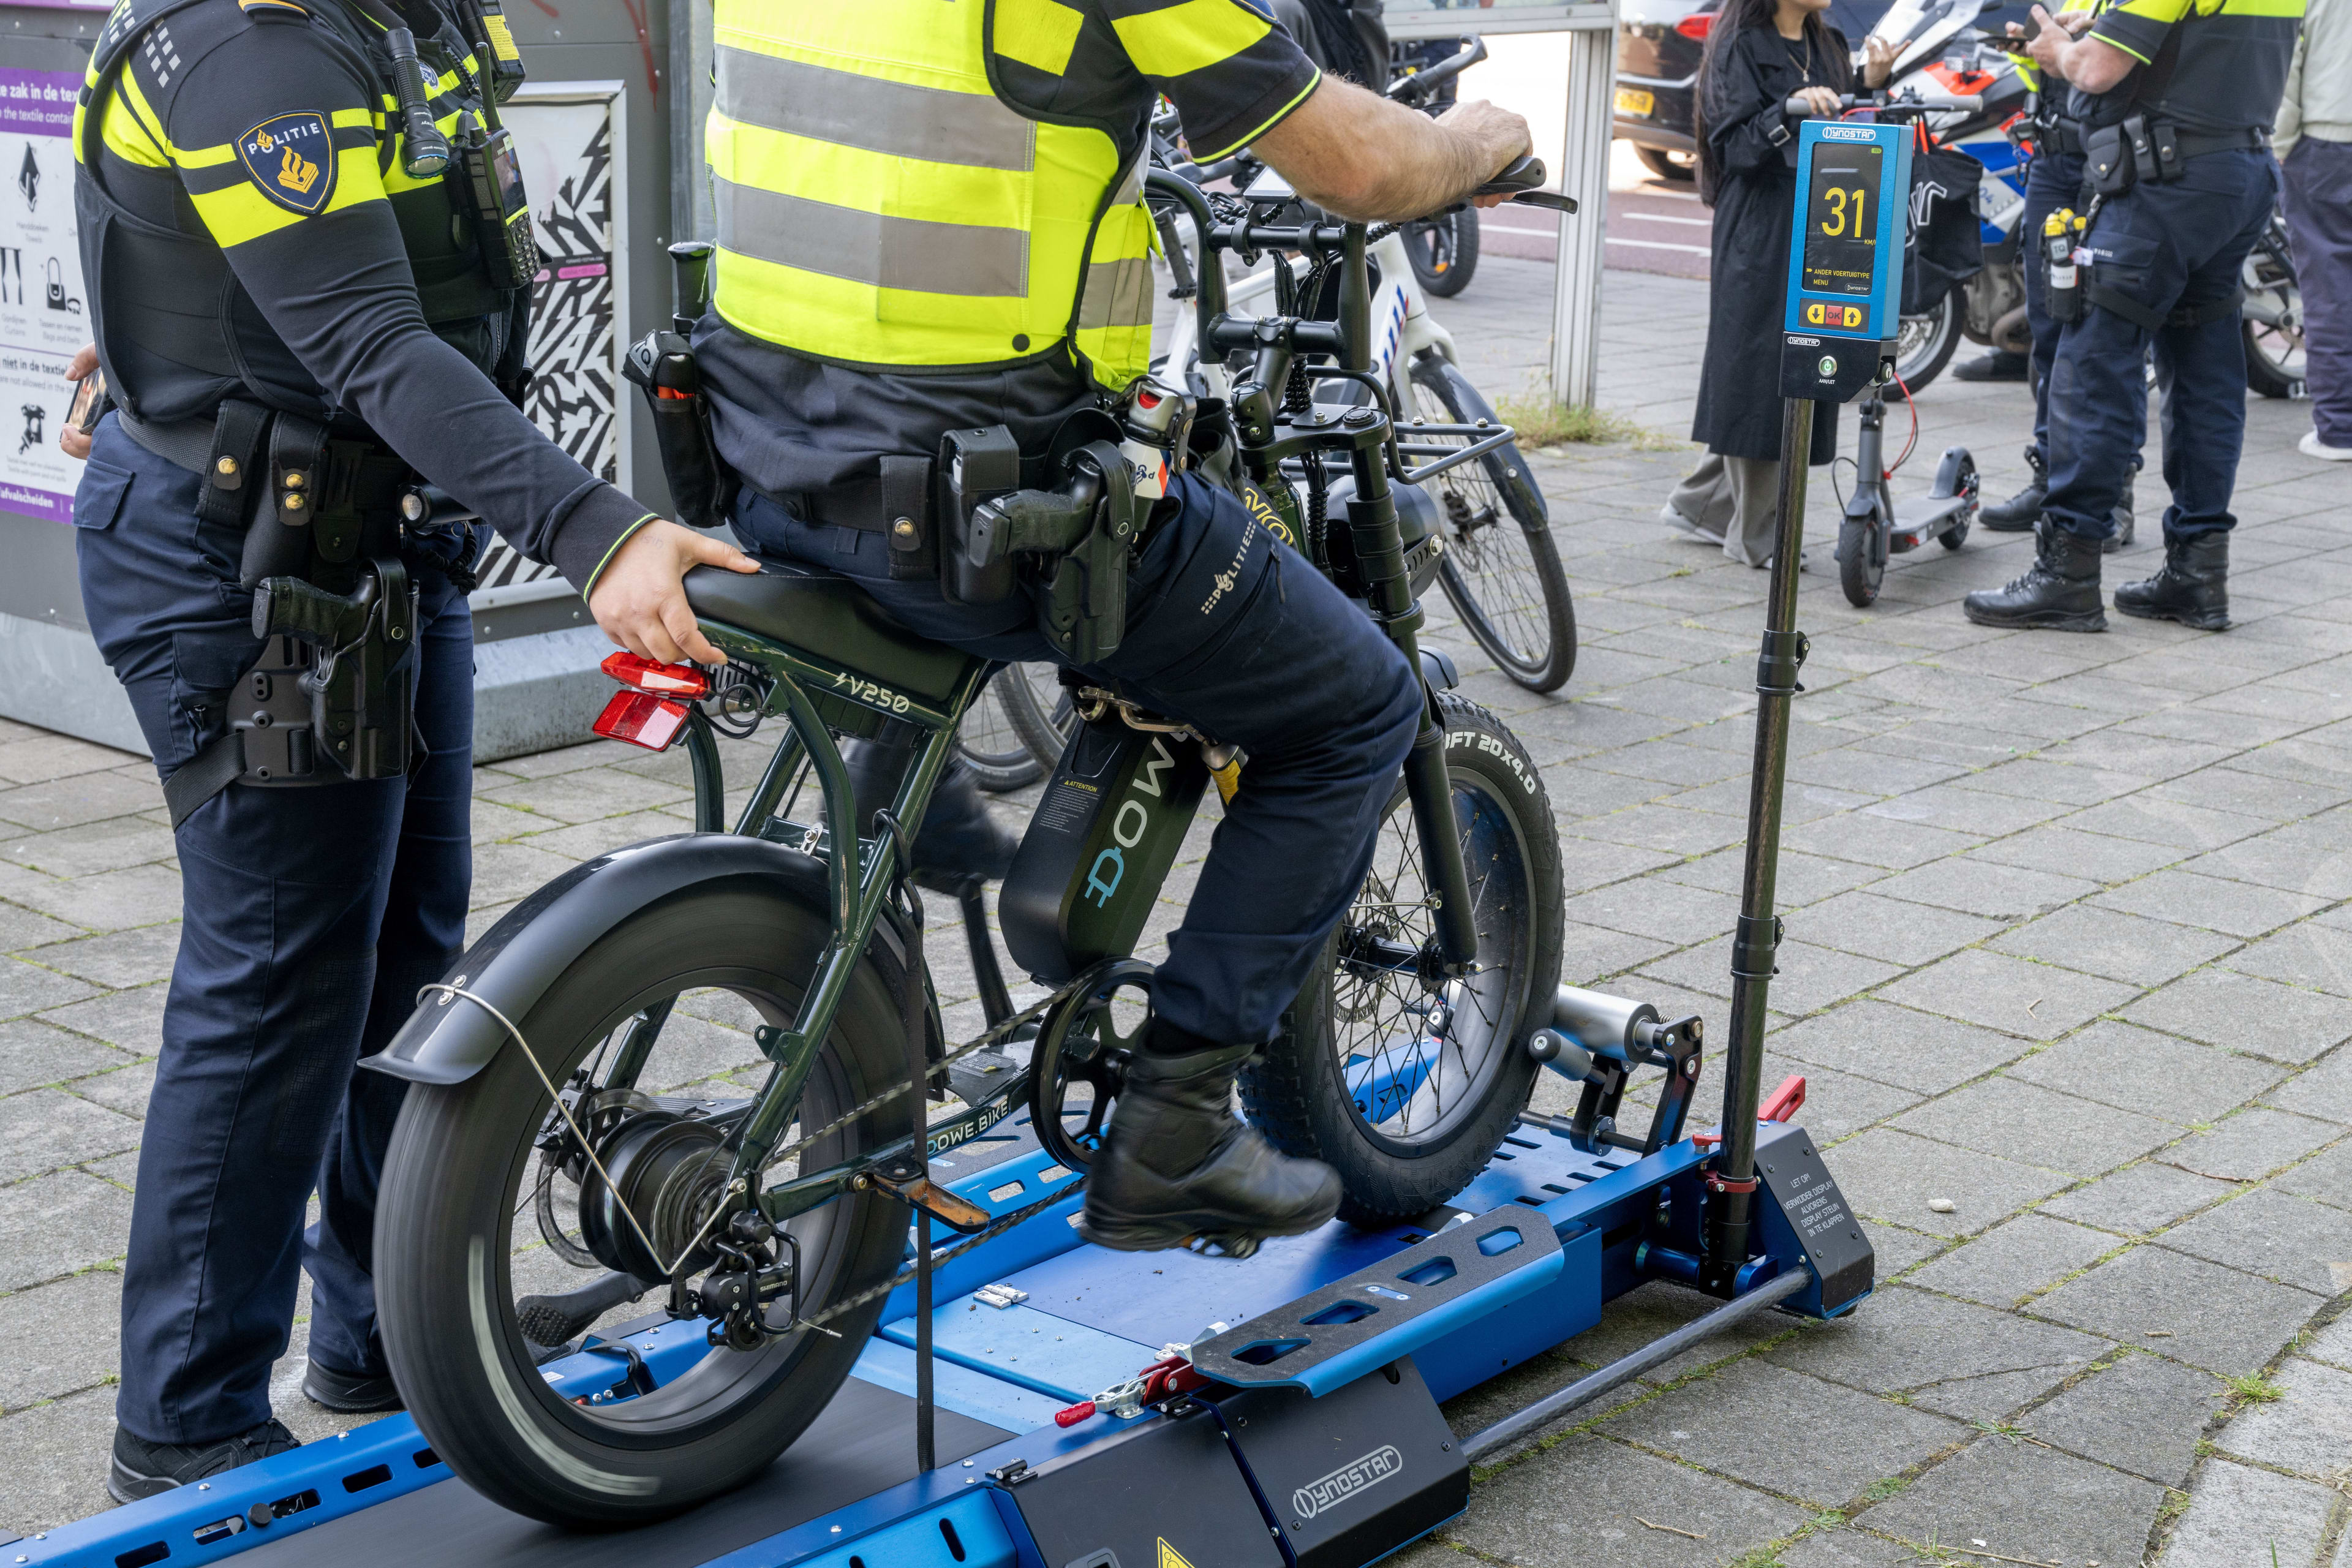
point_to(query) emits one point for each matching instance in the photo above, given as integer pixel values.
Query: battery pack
(1105, 833)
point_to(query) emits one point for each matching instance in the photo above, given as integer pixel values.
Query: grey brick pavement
(2071, 925)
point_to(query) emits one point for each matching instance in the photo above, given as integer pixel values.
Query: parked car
(1659, 43)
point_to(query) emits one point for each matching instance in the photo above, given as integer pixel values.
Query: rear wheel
(1924, 343)
(991, 740)
(2273, 318)
(1501, 570)
(1406, 1081)
(488, 1210)
(1039, 708)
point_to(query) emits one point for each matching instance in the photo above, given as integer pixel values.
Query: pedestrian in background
(1759, 54)
(2313, 140)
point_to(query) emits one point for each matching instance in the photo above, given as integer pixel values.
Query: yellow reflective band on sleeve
(1277, 117)
(241, 213)
(598, 575)
(1184, 39)
(2164, 12)
(128, 130)
(1037, 33)
(2286, 8)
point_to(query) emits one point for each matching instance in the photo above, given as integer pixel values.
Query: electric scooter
(1876, 526)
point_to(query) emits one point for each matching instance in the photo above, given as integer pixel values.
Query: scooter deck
(1090, 1319)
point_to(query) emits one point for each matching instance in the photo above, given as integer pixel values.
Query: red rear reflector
(641, 720)
(1696, 25)
(669, 679)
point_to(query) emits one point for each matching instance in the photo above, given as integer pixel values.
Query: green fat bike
(691, 1075)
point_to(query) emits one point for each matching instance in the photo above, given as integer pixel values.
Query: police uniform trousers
(2168, 248)
(2053, 180)
(312, 917)
(1236, 634)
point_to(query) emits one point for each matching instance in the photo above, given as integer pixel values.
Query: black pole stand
(1731, 1184)
(926, 1448)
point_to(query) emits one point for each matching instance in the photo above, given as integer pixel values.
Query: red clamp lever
(1786, 1100)
(1075, 1413)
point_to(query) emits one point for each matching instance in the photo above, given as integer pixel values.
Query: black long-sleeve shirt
(267, 131)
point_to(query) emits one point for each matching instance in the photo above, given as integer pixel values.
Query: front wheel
(1858, 573)
(489, 1212)
(1401, 1078)
(1443, 251)
(1501, 569)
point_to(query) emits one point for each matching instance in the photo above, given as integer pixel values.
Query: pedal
(974, 1077)
(904, 1180)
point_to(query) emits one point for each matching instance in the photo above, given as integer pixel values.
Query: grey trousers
(1732, 501)
(2319, 229)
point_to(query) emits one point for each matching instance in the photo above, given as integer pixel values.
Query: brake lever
(1520, 181)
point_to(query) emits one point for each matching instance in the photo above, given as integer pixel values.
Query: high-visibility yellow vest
(880, 206)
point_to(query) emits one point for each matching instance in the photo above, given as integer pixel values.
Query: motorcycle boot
(2017, 513)
(2122, 536)
(2000, 365)
(141, 1469)
(2192, 587)
(1178, 1164)
(2060, 591)
(959, 842)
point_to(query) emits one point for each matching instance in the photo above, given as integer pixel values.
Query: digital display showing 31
(1841, 222)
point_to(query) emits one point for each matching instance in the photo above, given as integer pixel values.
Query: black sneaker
(350, 1393)
(141, 1468)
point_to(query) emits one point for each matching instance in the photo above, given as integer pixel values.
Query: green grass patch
(1540, 422)
(2256, 1390)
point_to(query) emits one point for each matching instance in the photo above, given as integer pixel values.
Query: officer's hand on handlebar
(74, 441)
(1495, 128)
(638, 600)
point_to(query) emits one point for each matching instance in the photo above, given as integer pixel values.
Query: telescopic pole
(1731, 1184)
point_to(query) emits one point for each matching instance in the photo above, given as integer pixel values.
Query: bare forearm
(1357, 155)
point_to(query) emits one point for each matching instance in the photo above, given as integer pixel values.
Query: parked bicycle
(699, 1063)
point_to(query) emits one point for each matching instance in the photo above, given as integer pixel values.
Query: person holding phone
(1759, 54)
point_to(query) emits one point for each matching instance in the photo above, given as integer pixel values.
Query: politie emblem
(292, 158)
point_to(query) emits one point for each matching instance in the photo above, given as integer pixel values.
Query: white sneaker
(2311, 445)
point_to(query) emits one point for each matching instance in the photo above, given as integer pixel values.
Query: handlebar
(1416, 87)
(1909, 103)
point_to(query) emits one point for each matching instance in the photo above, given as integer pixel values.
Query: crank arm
(904, 1179)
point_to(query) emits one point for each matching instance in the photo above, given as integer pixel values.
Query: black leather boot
(1178, 1164)
(958, 841)
(2193, 588)
(2017, 513)
(2122, 536)
(2060, 591)
(2000, 365)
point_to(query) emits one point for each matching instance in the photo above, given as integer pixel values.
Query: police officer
(297, 316)
(2175, 98)
(930, 219)
(2052, 180)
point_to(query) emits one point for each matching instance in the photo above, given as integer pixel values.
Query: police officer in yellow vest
(2174, 100)
(929, 218)
(306, 297)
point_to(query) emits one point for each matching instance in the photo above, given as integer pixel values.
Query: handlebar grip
(424, 152)
(1523, 175)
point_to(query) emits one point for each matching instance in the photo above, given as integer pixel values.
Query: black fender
(447, 1040)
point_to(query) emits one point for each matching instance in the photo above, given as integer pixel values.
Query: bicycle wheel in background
(1405, 1083)
(1444, 251)
(1501, 569)
(992, 739)
(1040, 710)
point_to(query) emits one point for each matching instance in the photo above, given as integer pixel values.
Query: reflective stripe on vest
(878, 205)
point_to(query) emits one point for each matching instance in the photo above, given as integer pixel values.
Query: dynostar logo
(1318, 1496)
(1846, 134)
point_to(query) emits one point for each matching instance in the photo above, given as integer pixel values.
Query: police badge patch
(292, 158)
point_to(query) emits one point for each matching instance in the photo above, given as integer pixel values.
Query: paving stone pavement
(2071, 946)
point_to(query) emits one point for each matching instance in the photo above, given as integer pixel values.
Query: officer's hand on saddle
(639, 600)
(71, 438)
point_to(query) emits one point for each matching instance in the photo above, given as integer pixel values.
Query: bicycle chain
(1018, 1217)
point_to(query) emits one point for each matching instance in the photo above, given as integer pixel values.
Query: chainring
(1079, 1041)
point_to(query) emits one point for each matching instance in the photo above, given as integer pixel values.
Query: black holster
(701, 487)
(1082, 537)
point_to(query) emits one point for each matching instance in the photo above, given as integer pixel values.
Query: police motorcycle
(1492, 549)
(694, 1071)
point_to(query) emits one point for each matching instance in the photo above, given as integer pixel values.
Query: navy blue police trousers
(1235, 633)
(313, 916)
(2052, 180)
(2168, 248)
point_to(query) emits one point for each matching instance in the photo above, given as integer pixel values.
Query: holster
(2107, 159)
(702, 486)
(1084, 536)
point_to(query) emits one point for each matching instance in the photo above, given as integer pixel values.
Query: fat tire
(448, 1190)
(1293, 1092)
(1456, 276)
(1506, 472)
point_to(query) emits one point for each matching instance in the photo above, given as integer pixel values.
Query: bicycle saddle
(831, 617)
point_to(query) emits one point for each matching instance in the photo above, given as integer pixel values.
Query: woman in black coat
(1759, 54)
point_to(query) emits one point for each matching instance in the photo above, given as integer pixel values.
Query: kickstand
(995, 1001)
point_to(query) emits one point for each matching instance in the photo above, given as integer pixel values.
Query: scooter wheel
(1857, 573)
(1964, 482)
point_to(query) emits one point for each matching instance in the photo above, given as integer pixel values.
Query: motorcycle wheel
(1857, 574)
(1443, 252)
(2272, 320)
(1501, 571)
(452, 1261)
(1925, 343)
(1405, 1085)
